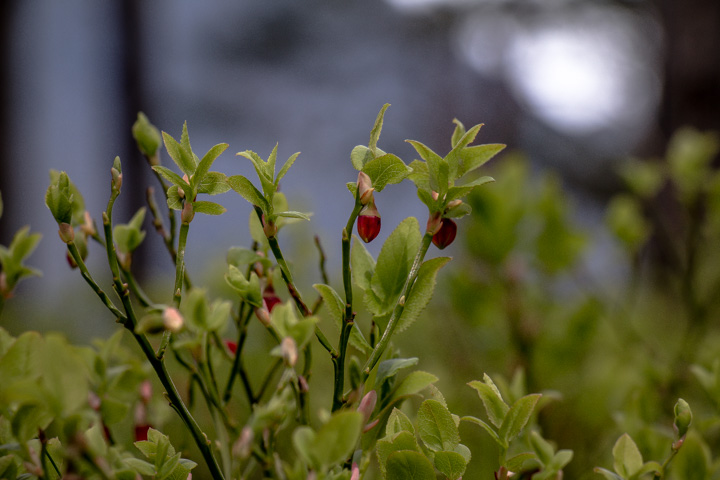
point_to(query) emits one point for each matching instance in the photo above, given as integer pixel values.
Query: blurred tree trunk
(692, 64)
(7, 8)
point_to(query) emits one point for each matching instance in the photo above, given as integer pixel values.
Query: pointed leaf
(389, 368)
(402, 441)
(518, 416)
(208, 208)
(458, 133)
(414, 383)
(293, 214)
(495, 406)
(247, 190)
(175, 179)
(335, 304)
(434, 162)
(521, 462)
(286, 167)
(182, 157)
(204, 166)
(627, 457)
(475, 157)
(360, 155)
(377, 128)
(399, 422)
(436, 426)
(485, 427)
(607, 474)
(214, 183)
(385, 170)
(421, 293)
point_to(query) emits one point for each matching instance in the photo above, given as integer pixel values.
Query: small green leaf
(335, 304)
(204, 166)
(335, 441)
(175, 179)
(627, 457)
(183, 158)
(607, 474)
(360, 155)
(421, 293)
(59, 197)
(495, 406)
(485, 427)
(385, 170)
(293, 214)
(413, 383)
(518, 416)
(247, 190)
(393, 266)
(129, 237)
(458, 133)
(140, 466)
(437, 177)
(389, 368)
(174, 200)
(472, 158)
(542, 448)
(213, 183)
(436, 426)
(521, 462)
(286, 167)
(450, 464)
(398, 422)
(377, 128)
(208, 208)
(409, 465)
(402, 441)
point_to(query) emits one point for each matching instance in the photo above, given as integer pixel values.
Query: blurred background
(577, 85)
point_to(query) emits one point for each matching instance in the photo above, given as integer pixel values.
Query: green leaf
(335, 441)
(607, 474)
(450, 464)
(140, 466)
(414, 383)
(213, 183)
(183, 158)
(242, 257)
(438, 177)
(28, 419)
(436, 426)
(264, 171)
(247, 190)
(495, 406)
(59, 197)
(286, 167)
(204, 166)
(542, 448)
(20, 361)
(363, 264)
(285, 321)
(409, 465)
(421, 293)
(293, 214)
(398, 422)
(146, 135)
(393, 266)
(174, 200)
(385, 170)
(335, 304)
(360, 155)
(175, 179)
(129, 237)
(377, 128)
(420, 176)
(472, 158)
(485, 427)
(458, 133)
(208, 208)
(402, 441)
(389, 368)
(113, 410)
(518, 416)
(627, 457)
(521, 462)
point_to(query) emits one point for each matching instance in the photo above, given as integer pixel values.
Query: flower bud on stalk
(446, 234)
(269, 228)
(116, 179)
(270, 298)
(66, 232)
(683, 418)
(187, 214)
(263, 315)
(88, 226)
(365, 188)
(368, 222)
(172, 320)
(289, 351)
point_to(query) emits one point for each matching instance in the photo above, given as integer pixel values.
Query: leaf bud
(434, 223)
(453, 204)
(365, 188)
(269, 227)
(117, 177)
(187, 214)
(446, 234)
(66, 232)
(368, 222)
(88, 225)
(367, 405)
(147, 136)
(241, 448)
(683, 418)
(172, 320)
(263, 315)
(289, 351)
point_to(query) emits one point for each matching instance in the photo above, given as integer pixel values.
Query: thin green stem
(90, 281)
(399, 307)
(349, 316)
(136, 289)
(237, 363)
(168, 238)
(180, 264)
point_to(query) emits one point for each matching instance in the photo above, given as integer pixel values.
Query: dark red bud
(368, 227)
(270, 298)
(446, 234)
(141, 432)
(232, 346)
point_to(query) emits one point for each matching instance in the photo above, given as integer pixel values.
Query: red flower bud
(141, 432)
(368, 222)
(232, 346)
(270, 298)
(446, 234)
